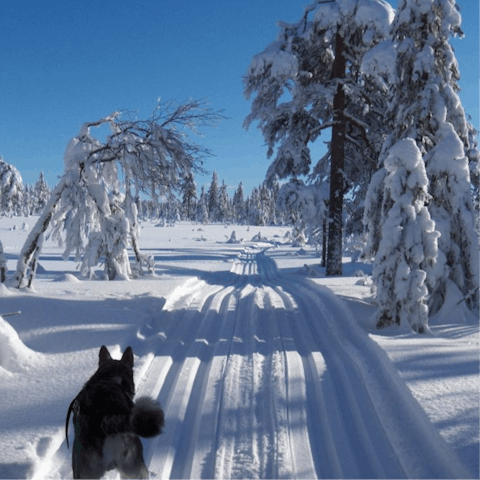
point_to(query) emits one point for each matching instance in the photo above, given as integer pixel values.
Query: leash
(70, 409)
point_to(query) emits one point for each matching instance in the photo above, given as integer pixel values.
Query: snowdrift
(15, 356)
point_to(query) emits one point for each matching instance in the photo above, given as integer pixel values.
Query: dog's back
(105, 435)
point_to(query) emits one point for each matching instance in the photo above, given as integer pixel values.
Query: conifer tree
(202, 207)
(28, 201)
(224, 204)
(238, 205)
(11, 190)
(189, 189)
(309, 80)
(41, 194)
(425, 107)
(213, 192)
(408, 245)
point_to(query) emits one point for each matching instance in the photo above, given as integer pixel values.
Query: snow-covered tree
(41, 193)
(213, 191)
(110, 241)
(238, 204)
(274, 189)
(253, 208)
(202, 207)
(28, 201)
(260, 208)
(408, 245)
(309, 80)
(189, 189)
(11, 189)
(94, 200)
(267, 200)
(224, 204)
(303, 206)
(425, 107)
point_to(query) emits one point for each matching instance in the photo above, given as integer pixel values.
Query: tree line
(213, 205)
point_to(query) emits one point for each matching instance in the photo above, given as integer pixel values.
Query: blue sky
(66, 62)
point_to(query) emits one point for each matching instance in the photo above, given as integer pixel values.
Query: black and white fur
(108, 422)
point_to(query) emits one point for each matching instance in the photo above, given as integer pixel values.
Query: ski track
(259, 379)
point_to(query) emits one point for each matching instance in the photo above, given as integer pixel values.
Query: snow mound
(454, 309)
(364, 282)
(309, 271)
(68, 278)
(15, 356)
(4, 291)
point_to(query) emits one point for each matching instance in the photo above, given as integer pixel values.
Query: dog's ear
(127, 358)
(104, 355)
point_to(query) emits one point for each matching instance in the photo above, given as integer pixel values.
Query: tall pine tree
(41, 193)
(238, 204)
(189, 189)
(213, 192)
(426, 108)
(309, 80)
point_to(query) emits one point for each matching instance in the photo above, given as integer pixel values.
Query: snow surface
(264, 367)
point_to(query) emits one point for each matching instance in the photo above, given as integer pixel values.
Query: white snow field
(264, 367)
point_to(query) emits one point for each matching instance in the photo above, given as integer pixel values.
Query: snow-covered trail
(261, 376)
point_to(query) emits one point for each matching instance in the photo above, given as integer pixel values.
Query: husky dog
(108, 422)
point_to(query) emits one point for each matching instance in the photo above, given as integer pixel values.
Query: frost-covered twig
(468, 296)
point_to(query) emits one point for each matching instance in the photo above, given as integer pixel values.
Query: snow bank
(14, 355)
(4, 291)
(67, 278)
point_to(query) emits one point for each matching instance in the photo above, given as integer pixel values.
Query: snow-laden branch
(94, 203)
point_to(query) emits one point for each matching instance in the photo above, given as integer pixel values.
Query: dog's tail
(147, 418)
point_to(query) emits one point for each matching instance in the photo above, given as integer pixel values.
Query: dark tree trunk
(335, 221)
(324, 242)
(3, 266)
(110, 267)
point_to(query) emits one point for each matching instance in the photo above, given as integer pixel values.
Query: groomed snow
(265, 368)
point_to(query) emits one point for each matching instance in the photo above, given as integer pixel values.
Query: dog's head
(119, 371)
